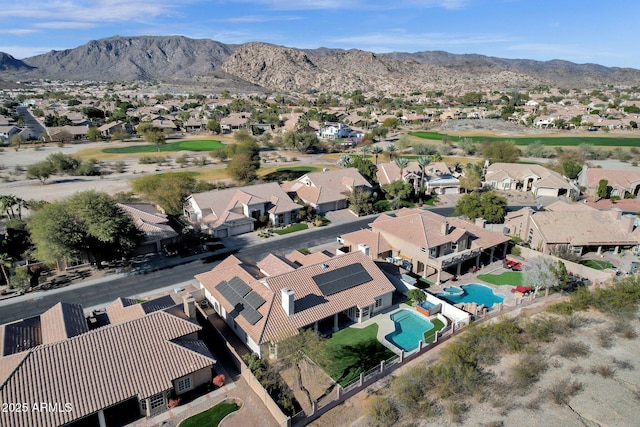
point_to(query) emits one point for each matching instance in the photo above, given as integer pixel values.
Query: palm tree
(7, 202)
(437, 157)
(391, 149)
(364, 150)
(5, 262)
(344, 161)
(402, 163)
(423, 161)
(377, 150)
(21, 204)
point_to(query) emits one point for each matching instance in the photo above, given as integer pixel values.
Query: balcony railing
(458, 257)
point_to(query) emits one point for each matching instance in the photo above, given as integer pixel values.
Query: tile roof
(154, 224)
(308, 259)
(376, 241)
(616, 178)
(273, 265)
(519, 171)
(327, 186)
(389, 172)
(580, 228)
(310, 303)
(221, 202)
(100, 368)
(62, 321)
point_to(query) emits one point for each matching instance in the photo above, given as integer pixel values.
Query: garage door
(451, 190)
(241, 229)
(553, 192)
(222, 232)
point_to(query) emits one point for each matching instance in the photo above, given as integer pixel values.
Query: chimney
(364, 248)
(480, 222)
(189, 306)
(445, 228)
(287, 301)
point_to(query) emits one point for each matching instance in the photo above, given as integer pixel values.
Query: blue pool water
(410, 328)
(479, 294)
(453, 290)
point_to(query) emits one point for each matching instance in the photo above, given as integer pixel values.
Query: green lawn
(186, 145)
(596, 264)
(292, 229)
(429, 336)
(604, 141)
(352, 351)
(211, 417)
(512, 278)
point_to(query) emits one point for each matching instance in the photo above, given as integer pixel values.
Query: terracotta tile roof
(100, 368)
(310, 303)
(272, 266)
(616, 178)
(519, 171)
(376, 241)
(562, 206)
(581, 228)
(62, 321)
(328, 186)
(389, 172)
(312, 258)
(154, 224)
(125, 309)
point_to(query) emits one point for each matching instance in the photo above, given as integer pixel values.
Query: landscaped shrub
(417, 295)
(273, 383)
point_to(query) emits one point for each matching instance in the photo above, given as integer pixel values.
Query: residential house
(327, 191)
(621, 183)
(6, 132)
(153, 224)
(234, 121)
(574, 227)
(335, 131)
(524, 177)
(437, 177)
(106, 376)
(108, 129)
(60, 133)
(234, 211)
(428, 244)
(267, 306)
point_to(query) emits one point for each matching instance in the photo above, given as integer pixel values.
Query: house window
(365, 311)
(379, 302)
(433, 252)
(157, 400)
(183, 384)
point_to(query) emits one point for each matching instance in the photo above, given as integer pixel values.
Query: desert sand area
(592, 379)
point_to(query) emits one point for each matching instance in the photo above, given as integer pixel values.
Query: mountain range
(265, 67)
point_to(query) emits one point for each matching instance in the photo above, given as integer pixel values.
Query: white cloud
(64, 25)
(419, 40)
(18, 31)
(261, 18)
(356, 4)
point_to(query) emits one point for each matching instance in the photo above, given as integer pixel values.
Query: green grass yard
(185, 145)
(292, 229)
(352, 351)
(512, 278)
(211, 417)
(602, 141)
(429, 336)
(596, 264)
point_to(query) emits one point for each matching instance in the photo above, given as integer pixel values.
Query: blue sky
(578, 31)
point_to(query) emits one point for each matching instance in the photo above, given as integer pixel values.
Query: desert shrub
(563, 390)
(622, 364)
(120, 166)
(528, 370)
(542, 329)
(624, 329)
(605, 371)
(382, 411)
(571, 349)
(575, 322)
(149, 160)
(575, 370)
(564, 308)
(604, 338)
(411, 390)
(456, 410)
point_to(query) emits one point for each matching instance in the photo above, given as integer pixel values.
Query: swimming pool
(480, 294)
(410, 329)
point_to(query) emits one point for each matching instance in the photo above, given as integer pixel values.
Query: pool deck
(385, 324)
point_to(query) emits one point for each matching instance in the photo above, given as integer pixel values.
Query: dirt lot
(606, 387)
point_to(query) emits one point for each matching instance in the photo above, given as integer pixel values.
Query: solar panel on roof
(238, 285)
(254, 300)
(229, 294)
(342, 278)
(251, 315)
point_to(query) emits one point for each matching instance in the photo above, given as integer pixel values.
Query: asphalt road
(30, 122)
(102, 294)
